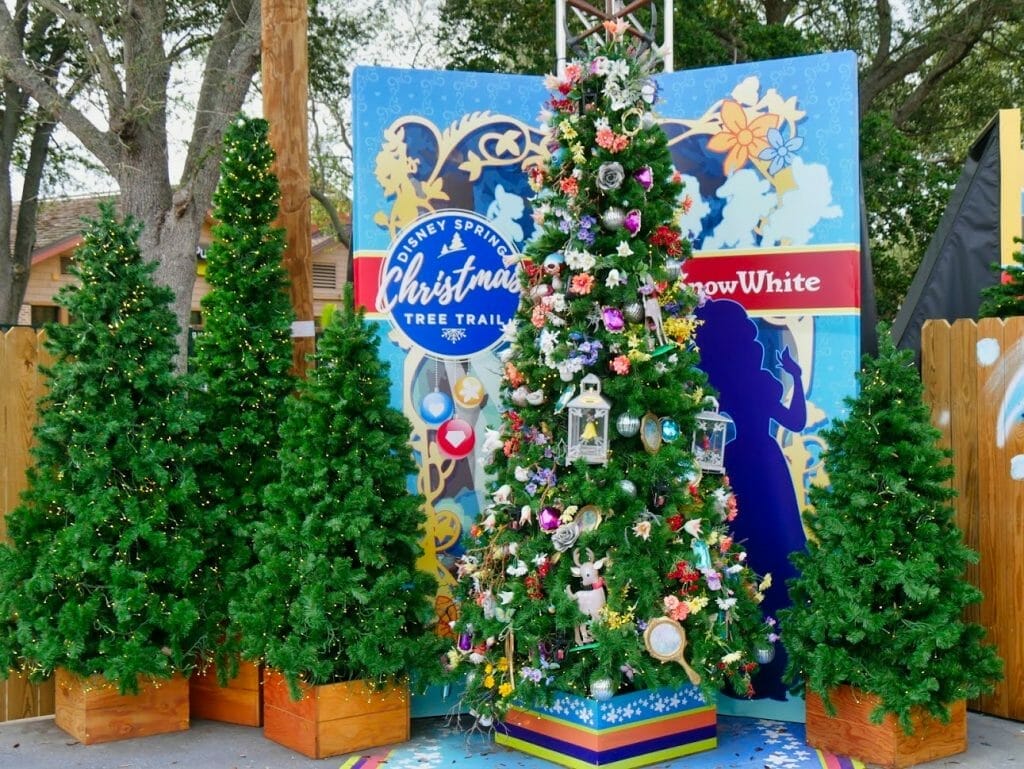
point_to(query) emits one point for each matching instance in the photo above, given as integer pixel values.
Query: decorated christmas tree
(98, 577)
(879, 601)
(605, 534)
(335, 594)
(1006, 298)
(242, 361)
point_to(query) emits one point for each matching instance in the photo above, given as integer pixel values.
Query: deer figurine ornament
(592, 599)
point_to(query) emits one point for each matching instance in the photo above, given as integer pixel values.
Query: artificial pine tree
(335, 594)
(98, 577)
(879, 601)
(242, 366)
(1006, 298)
(627, 532)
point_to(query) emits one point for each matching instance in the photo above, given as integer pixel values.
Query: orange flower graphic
(741, 139)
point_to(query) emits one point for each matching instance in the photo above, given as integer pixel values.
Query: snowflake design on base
(453, 335)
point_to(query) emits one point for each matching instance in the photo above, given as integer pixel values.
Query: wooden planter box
(91, 710)
(629, 730)
(332, 719)
(850, 733)
(240, 702)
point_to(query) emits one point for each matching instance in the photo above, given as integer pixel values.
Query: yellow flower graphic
(742, 140)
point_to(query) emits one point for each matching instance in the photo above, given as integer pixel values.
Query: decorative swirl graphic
(417, 161)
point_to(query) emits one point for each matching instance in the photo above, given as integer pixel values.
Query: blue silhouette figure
(769, 516)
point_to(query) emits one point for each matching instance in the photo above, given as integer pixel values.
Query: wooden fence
(973, 375)
(21, 351)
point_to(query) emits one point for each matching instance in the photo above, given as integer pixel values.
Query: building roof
(59, 223)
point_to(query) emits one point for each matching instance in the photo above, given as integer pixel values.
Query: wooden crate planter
(850, 733)
(240, 702)
(92, 710)
(629, 730)
(332, 719)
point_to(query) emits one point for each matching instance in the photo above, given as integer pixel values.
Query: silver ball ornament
(628, 486)
(634, 312)
(627, 424)
(613, 218)
(674, 268)
(764, 654)
(602, 689)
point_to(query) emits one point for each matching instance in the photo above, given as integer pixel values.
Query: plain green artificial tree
(99, 574)
(879, 601)
(1006, 298)
(335, 594)
(242, 368)
(645, 532)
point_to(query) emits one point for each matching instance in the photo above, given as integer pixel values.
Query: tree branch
(50, 101)
(230, 65)
(98, 52)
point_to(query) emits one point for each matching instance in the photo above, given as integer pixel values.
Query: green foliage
(1006, 298)
(880, 599)
(242, 371)
(335, 594)
(905, 195)
(509, 36)
(664, 546)
(98, 577)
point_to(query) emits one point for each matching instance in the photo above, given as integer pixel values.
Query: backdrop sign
(768, 153)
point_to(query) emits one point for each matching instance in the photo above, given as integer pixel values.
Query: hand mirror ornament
(665, 640)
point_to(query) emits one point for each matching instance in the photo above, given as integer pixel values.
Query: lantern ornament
(588, 424)
(709, 438)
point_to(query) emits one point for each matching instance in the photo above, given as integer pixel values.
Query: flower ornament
(741, 139)
(649, 91)
(613, 319)
(565, 536)
(615, 278)
(582, 284)
(780, 152)
(610, 176)
(644, 177)
(632, 221)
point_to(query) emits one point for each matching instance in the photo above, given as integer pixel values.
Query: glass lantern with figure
(709, 438)
(588, 424)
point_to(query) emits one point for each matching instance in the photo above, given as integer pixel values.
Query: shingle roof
(59, 222)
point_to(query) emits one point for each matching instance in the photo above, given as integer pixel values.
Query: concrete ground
(38, 744)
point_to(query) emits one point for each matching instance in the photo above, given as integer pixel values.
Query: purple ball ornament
(613, 320)
(644, 177)
(632, 221)
(549, 518)
(465, 642)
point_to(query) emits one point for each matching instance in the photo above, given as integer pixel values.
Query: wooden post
(285, 90)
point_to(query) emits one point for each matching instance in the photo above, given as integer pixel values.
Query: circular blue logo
(449, 284)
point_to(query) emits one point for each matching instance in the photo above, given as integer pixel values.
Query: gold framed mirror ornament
(650, 433)
(665, 640)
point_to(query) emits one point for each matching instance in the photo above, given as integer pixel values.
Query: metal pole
(560, 31)
(668, 41)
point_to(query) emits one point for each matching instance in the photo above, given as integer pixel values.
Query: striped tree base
(629, 730)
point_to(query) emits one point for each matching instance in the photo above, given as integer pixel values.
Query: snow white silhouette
(769, 517)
